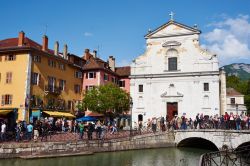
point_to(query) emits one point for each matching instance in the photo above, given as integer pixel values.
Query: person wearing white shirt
(3, 131)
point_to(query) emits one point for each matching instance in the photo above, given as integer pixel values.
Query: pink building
(124, 73)
(97, 72)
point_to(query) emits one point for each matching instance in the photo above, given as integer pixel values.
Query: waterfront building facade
(174, 76)
(235, 102)
(97, 72)
(37, 79)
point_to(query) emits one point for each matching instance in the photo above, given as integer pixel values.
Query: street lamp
(236, 106)
(131, 107)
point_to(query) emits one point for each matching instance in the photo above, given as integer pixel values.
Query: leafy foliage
(106, 98)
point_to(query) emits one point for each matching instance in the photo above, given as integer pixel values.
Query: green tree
(106, 98)
(241, 86)
(232, 81)
(247, 102)
(247, 97)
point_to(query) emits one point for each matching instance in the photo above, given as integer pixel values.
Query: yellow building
(35, 79)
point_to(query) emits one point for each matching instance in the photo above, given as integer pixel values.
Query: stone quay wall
(146, 141)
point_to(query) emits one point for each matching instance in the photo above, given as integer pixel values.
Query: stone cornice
(179, 74)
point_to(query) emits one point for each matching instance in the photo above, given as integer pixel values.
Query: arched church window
(172, 59)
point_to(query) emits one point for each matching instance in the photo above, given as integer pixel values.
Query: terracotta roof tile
(123, 71)
(96, 63)
(232, 92)
(92, 63)
(13, 42)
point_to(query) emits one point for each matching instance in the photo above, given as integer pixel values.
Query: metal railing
(52, 89)
(228, 157)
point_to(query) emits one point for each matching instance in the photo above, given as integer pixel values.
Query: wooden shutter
(94, 74)
(3, 100)
(38, 79)
(10, 99)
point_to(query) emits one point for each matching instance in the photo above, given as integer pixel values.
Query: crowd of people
(227, 122)
(45, 128)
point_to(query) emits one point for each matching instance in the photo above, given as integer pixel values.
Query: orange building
(35, 79)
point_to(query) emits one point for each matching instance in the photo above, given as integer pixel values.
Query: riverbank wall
(146, 141)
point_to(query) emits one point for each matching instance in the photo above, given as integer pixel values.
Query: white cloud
(230, 39)
(88, 34)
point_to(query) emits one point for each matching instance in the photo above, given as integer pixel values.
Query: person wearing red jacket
(226, 119)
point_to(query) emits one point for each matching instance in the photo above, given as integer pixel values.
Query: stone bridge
(214, 139)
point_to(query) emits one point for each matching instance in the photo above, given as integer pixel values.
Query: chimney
(45, 43)
(65, 51)
(86, 54)
(94, 53)
(21, 37)
(56, 48)
(111, 62)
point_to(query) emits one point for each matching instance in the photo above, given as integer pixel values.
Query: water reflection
(149, 157)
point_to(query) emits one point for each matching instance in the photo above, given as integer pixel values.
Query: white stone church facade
(174, 76)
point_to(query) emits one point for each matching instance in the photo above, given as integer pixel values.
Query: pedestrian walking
(81, 130)
(29, 131)
(3, 132)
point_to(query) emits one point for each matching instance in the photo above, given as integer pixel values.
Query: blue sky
(117, 27)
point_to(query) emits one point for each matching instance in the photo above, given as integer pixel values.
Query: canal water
(148, 157)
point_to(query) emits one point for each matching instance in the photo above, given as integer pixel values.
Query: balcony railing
(52, 89)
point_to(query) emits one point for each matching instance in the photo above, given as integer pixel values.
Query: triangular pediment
(172, 28)
(171, 92)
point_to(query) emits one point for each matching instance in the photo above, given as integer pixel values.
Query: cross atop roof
(171, 14)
